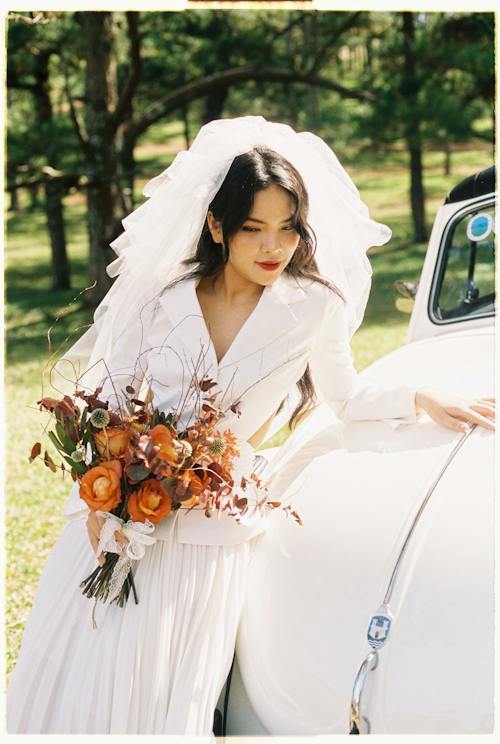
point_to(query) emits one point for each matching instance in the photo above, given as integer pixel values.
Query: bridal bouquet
(137, 468)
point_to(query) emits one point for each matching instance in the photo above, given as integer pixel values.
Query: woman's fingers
(477, 418)
(485, 408)
(452, 423)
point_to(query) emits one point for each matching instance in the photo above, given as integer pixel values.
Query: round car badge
(479, 227)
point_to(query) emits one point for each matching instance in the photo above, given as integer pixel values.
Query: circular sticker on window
(479, 227)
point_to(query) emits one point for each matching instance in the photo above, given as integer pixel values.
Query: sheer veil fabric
(165, 229)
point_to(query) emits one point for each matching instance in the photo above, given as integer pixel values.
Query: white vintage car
(377, 615)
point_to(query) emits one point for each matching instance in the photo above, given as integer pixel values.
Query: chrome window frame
(488, 200)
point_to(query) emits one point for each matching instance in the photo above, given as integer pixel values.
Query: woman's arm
(338, 382)
(352, 399)
(126, 366)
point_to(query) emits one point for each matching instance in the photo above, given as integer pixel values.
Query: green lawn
(35, 496)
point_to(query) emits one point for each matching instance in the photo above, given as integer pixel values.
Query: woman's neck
(232, 287)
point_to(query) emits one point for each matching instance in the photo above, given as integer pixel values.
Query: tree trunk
(14, 200)
(409, 89)
(55, 226)
(417, 194)
(185, 123)
(289, 89)
(34, 201)
(127, 173)
(54, 210)
(310, 50)
(101, 160)
(447, 158)
(214, 105)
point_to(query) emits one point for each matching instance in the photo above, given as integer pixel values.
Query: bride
(247, 264)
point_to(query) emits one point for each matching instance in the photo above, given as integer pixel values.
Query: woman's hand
(455, 412)
(94, 525)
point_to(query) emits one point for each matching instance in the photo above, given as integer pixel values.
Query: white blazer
(295, 322)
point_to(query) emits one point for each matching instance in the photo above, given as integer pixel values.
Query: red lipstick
(269, 265)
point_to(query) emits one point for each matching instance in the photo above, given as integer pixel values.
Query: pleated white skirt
(156, 667)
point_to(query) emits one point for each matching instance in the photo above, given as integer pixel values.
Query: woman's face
(266, 241)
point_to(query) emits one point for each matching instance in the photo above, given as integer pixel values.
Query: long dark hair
(233, 202)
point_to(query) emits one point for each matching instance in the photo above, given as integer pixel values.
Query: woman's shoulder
(321, 297)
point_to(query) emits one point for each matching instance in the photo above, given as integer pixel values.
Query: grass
(35, 497)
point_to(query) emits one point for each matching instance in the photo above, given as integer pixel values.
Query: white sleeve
(339, 384)
(75, 507)
(127, 365)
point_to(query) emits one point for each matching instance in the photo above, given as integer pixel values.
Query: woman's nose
(270, 243)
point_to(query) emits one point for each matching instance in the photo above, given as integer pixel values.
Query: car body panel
(358, 487)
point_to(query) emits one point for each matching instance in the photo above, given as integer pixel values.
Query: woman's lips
(269, 265)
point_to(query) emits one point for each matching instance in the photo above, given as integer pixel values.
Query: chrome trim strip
(359, 724)
(417, 516)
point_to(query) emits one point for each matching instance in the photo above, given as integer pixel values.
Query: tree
(31, 48)
(432, 77)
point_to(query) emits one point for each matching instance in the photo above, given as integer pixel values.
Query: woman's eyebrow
(254, 219)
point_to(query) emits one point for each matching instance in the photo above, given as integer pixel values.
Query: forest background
(100, 102)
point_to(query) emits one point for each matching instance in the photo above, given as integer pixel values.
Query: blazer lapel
(277, 311)
(274, 315)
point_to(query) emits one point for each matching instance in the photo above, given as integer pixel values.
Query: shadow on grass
(32, 309)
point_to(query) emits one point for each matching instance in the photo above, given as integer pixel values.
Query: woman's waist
(195, 523)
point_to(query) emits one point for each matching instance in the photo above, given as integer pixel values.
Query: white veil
(165, 229)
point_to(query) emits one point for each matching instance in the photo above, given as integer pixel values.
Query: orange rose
(100, 486)
(161, 436)
(150, 501)
(114, 438)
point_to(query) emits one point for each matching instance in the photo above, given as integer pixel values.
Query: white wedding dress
(158, 667)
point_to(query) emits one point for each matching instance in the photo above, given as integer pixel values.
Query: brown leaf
(297, 517)
(35, 451)
(207, 408)
(207, 384)
(49, 462)
(136, 472)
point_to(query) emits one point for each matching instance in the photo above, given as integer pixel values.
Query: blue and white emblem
(379, 627)
(480, 226)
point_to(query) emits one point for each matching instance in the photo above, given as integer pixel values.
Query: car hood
(313, 587)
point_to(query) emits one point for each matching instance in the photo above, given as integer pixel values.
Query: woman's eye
(246, 228)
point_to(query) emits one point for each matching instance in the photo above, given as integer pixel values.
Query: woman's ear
(215, 228)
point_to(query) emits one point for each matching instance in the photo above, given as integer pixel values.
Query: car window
(466, 275)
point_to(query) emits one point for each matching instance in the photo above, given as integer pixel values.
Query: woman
(257, 317)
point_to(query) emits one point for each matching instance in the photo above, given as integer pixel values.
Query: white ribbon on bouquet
(137, 536)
